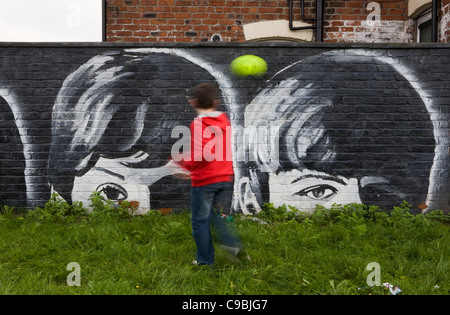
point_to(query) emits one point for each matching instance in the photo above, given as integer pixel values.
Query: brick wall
(197, 20)
(351, 21)
(445, 22)
(355, 124)
(187, 20)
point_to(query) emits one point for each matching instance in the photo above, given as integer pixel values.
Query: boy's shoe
(242, 255)
(237, 254)
(196, 263)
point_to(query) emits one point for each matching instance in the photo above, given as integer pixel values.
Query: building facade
(383, 21)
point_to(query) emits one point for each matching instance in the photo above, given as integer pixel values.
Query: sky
(51, 20)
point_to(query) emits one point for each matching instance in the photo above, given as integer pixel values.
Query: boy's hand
(177, 172)
(182, 176)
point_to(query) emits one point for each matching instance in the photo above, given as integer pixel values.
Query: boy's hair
(206, 95)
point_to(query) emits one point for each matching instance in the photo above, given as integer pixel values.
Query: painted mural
(321, 127)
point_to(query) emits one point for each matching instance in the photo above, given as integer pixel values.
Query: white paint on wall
(415, 7)
(372, 31)
(277, 29)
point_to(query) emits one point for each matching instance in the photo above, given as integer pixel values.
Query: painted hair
(12, 159)
(117, 104)
(345, 115)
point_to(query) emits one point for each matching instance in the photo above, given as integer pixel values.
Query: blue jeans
(207, 202)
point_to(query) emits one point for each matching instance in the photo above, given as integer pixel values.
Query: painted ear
(247, 197)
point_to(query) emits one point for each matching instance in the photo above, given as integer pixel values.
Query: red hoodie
(210, 157)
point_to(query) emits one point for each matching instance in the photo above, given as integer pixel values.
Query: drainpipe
(319, 22)
(434, 21)
(319, 19)
(104, 21)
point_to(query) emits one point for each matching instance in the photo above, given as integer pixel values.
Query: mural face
(115, 180)
(324, 127)
(340, 140)
(109, 137)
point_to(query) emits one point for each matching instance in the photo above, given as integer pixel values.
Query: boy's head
(205, 96)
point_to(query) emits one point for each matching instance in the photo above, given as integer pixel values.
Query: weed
(104, 208)
(7, 210)
(56, 208)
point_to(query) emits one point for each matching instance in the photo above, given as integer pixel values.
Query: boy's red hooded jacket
(211, 156)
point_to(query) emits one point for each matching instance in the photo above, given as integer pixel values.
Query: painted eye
(318, 192)
(112, 191)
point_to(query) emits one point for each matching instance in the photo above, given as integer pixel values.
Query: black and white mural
(322, 126)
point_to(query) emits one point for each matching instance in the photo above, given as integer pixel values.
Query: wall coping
(222, 45)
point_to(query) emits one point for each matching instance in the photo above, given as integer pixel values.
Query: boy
(211, 172)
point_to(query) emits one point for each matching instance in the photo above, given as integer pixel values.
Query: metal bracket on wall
(318, 19)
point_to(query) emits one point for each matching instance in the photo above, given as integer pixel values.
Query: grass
(325, 253)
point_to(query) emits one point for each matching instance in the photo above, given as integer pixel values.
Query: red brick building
(382, 21)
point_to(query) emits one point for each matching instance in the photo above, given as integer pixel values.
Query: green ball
(248, 65)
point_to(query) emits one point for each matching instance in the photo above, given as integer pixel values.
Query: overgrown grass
(293, 253)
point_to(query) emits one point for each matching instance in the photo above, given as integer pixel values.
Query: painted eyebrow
(109, 172)
(325, 177)
(369, 180)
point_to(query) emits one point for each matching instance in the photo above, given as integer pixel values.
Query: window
(424, 27)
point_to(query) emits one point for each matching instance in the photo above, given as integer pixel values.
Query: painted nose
(352, 191)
